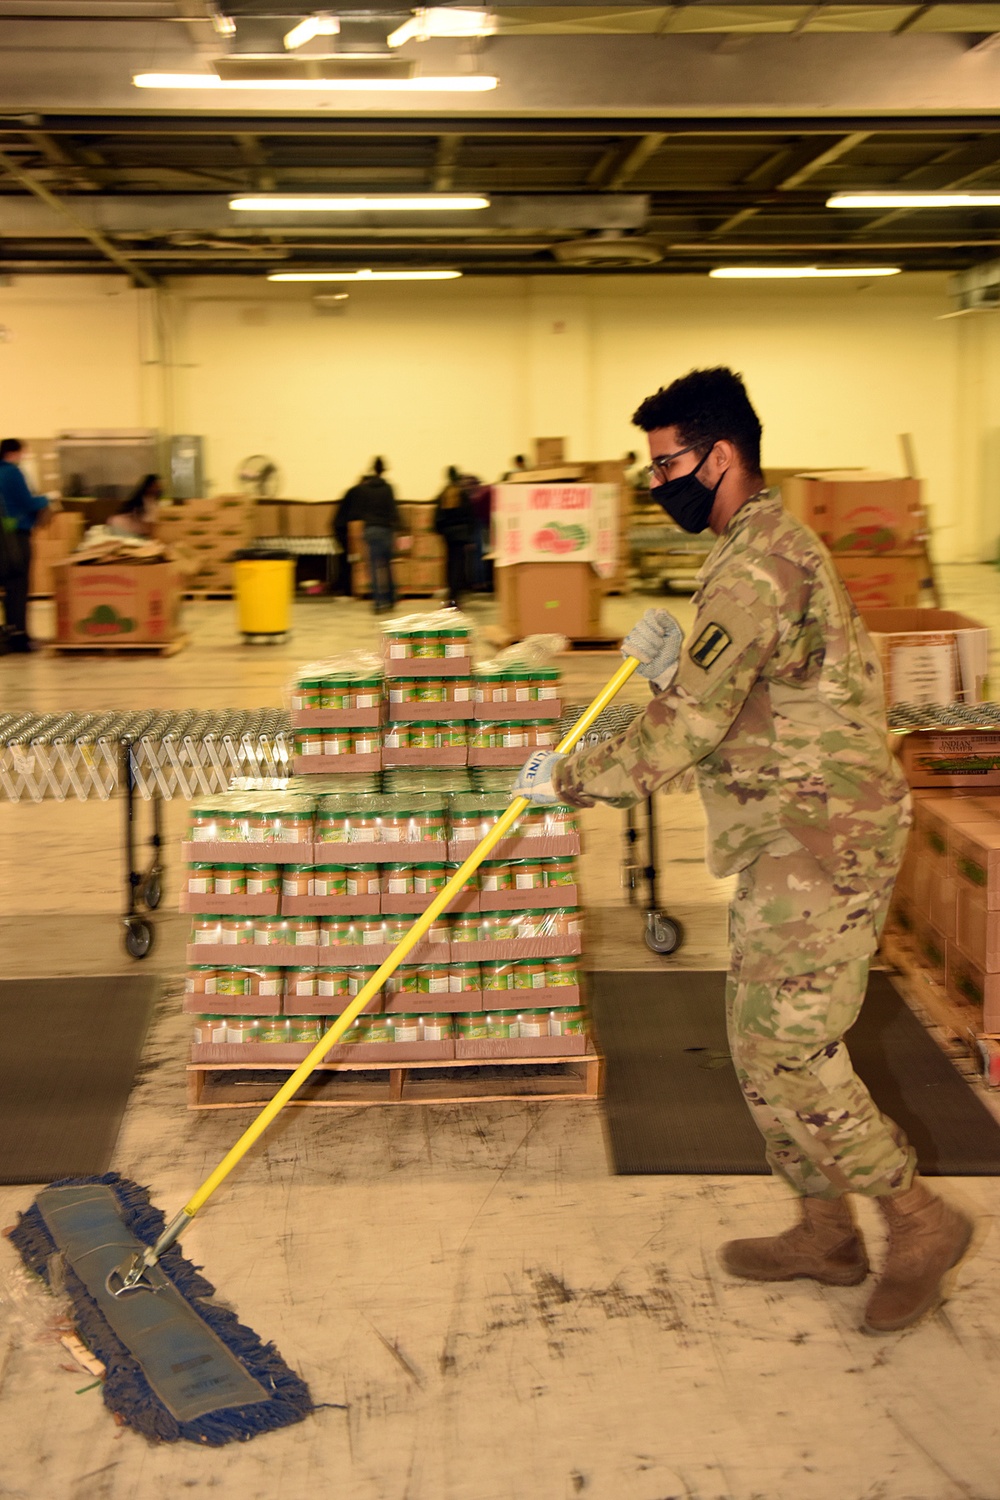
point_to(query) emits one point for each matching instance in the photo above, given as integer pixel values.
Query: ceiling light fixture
(440, 21)
(364, 275)
(797, 273)
(472, 83)
(345, 203)
(914, 200)
(320, 24)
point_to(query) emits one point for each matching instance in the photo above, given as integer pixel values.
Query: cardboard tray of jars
(428, 666)
(445, 756)
(517, 846)
(482, 1049)
(398, 1002)
(542, 708)
(234, 906)
(347, 955)
(338, 718)
(220, 852)
(338, 765)
(425, 713)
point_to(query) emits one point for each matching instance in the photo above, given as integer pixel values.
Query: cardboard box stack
(52, 543)
(295, 900)
(205, 534)
(875, 527)
(947, 898)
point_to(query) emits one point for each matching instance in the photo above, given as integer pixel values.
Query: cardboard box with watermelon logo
(116, 604)
(858, 510)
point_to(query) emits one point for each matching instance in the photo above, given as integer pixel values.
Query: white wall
(468, 372)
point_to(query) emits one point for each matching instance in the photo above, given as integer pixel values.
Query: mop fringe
(127, 1393)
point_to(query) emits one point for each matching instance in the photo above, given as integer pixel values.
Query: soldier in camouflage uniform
(776, 700)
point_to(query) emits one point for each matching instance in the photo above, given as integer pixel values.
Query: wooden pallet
(115, 648)
(231, 1086)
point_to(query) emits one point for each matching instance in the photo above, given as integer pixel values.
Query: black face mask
(686, 500)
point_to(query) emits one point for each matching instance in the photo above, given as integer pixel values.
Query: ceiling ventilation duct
(976, 290)
(608, 251)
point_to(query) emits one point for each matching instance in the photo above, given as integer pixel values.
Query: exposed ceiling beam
(39, 190)
(945, 174)
(262, 179)
(801, 173)
(908, 22)
(986, 43)
(445, 162)
(807, 18)
(634, 160)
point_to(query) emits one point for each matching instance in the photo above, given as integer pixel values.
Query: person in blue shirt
(19, 513)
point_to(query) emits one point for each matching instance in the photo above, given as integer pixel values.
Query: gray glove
(656, 643)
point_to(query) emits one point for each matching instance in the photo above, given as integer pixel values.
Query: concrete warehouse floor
(489, 1313)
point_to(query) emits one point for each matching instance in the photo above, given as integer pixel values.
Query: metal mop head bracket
(82, 1225)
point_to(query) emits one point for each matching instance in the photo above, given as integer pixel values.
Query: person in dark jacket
(19, 513)
(373, 502)
(455, 522)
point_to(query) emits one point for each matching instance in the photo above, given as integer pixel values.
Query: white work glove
(656, 642)
(534, 780)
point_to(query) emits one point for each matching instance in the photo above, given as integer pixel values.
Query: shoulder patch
(710, 645)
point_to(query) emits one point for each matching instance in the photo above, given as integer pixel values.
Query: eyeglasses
(659, 467)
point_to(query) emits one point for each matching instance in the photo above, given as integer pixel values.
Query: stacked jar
(426, 667)
(336, 716)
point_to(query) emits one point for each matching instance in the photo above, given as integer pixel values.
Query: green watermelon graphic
(104, 620)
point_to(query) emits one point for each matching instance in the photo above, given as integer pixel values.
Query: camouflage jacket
(777, 702)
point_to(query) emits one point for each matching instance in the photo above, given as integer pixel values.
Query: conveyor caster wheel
(663, 935)
(152, 890)
(138, 936)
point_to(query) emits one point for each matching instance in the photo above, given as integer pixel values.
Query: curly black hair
(704, 406)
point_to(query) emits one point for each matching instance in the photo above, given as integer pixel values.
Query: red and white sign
(556, 523)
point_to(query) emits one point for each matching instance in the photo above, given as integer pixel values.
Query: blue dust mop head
(178, 1366)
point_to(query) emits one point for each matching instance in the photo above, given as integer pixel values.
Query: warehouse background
(465, 372)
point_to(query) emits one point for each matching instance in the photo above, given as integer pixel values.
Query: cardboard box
(947, 759)
(858, 510)
(930, 655)
(975, 860)
(117, 604)
(308, 518)
(931, 945)
(969, 985)
(549, 451)
(977, 929)
(564, 597)
(884, 582)
(268, 519)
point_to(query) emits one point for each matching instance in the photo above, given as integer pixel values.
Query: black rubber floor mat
(673, 1104)
(69, 1049)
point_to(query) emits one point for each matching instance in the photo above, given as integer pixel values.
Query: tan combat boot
(824, 1245)
(926, 1238)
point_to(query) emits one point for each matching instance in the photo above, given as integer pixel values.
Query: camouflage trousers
(788, 1008)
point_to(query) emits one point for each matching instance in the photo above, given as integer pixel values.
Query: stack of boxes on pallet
(418, 571)
(947, 898)
(204, 534)
(875, 528)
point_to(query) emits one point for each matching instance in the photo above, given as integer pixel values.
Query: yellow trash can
(264, 582)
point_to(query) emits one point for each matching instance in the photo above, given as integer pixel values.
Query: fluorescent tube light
(440, 21)
(321, 24)
(914, 200)
(345, 203)
(797, 273)
(364, 275)
(474, 83)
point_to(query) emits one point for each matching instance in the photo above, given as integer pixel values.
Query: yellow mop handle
(443, 898)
